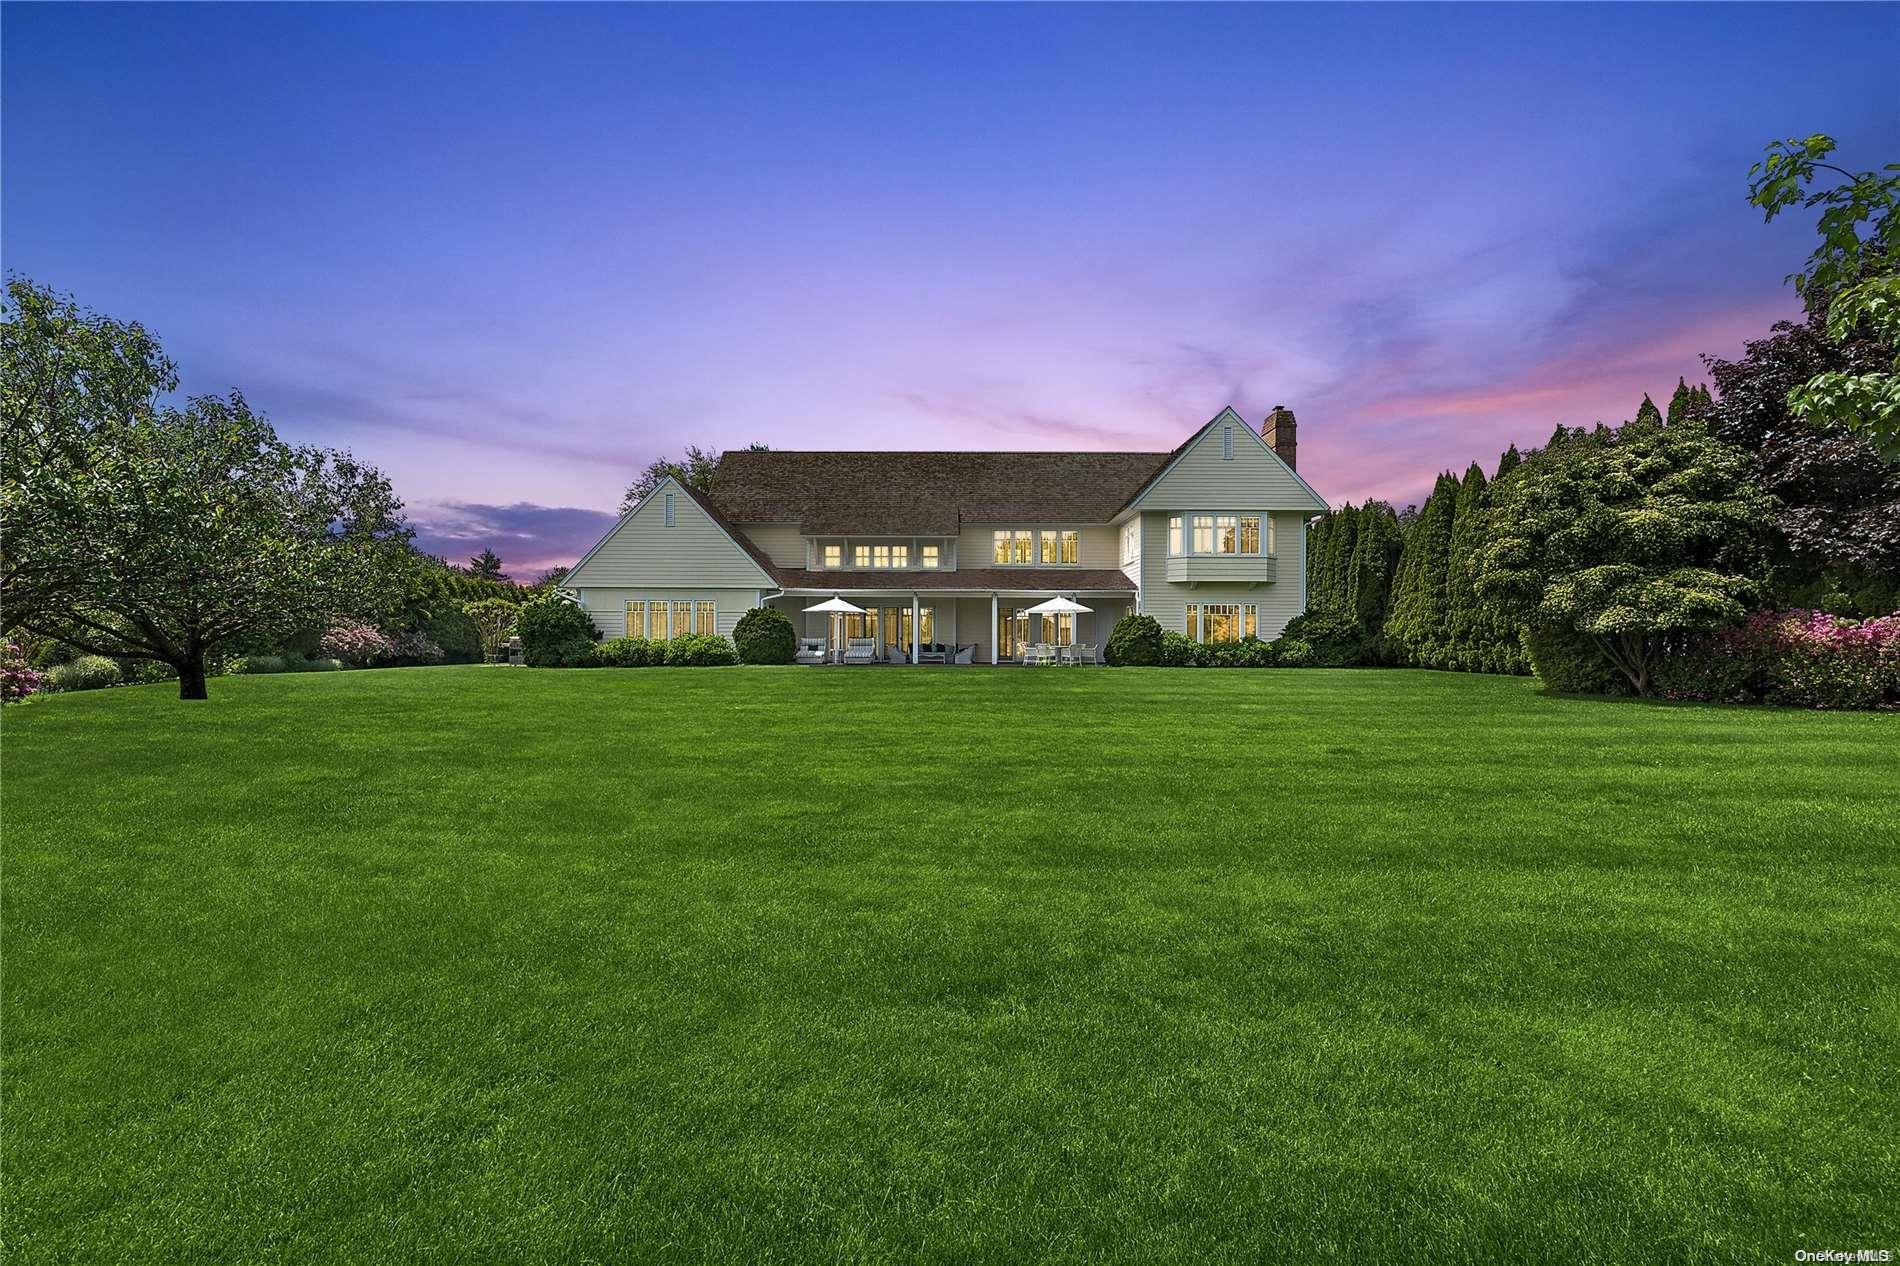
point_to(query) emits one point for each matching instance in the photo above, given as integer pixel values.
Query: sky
(511, 254)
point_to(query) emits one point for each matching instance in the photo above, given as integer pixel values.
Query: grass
(955, 965)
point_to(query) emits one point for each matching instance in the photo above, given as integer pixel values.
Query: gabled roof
(1226, 414)
(926, 494)
(668, 484)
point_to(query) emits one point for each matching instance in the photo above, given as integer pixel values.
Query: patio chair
(811, 650)
(1041, 653)
(931, 653)
(1084, 653)
(964, 654)
(896, 655)
(860, 650)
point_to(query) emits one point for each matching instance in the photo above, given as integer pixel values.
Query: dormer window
(929, 555)
(670, 519)
(834, 555)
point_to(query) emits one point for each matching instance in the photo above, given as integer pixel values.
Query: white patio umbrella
(1061, 606)
(834, 605)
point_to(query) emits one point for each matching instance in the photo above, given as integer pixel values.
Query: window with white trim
(929, 553)
(900, 555)
(860, 555)
(1174, 534)
(1222, 622)
(668, 505)
(834, 555)
(1021, 547)
(1227, 442)
(1221, 533)
(1131, 540)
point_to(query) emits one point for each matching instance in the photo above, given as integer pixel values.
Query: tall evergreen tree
(1417, 627)
(1508, 461)
(1647, 414)
(1375, 556)
(1689, 402)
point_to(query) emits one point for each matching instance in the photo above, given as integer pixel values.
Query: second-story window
(1002, 547)
(1203, 534)
(1051, 547)
(1250, 534)
(929, 555)
(880, 556)
(1224, 539)
(1071, 545)
(1022, 547)
(1131, 540)
(1174, 534)
(860, 555)
(834, 555)
(900, 555)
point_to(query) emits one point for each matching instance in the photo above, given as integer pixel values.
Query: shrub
(1333, 640)
(410, 649)
(457, 637)
(355, 643)
(254, 665)
(1134, 642)
(17, 678)
(1249, 652)
(1804, 659)
(1177, 651)
(318, 665)
(51, 654)
(555, 633)
(630, 652)
(84, 672)
(700, 650)
(1292, 652)
(764, 635)
(1569, 663)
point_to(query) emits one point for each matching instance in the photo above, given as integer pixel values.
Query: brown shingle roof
(1058, 579)
(926, 493)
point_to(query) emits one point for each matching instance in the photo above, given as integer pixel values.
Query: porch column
(994, 638)
(916, 637)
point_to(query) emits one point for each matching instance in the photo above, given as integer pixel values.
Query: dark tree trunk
(191, 676)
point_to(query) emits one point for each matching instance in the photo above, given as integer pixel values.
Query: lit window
(1227, 442)
(682, 618)
(656, 620)
(1253, 622)
(703, 621)
(669, 510)
(1051, 549)
(900, 555)
(636, 619)
(1224, 533)
(881, 556)
(1071, 545)
(1025, 544)
(1250, 534)
(860, 555)
(1220, 623)
(930, 555)
(1174, 534)
(1131, 540)
(1002, 547)
(1203, 534)
(1269, 534)
(1194, 623)
(834, 555)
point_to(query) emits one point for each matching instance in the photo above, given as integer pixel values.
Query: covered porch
(947, 626)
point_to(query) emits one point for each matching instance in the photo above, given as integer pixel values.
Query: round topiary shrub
(700, 650)
(1134, 642)
(555, 633)
(764, 635)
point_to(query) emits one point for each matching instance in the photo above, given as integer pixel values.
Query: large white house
(950, 549)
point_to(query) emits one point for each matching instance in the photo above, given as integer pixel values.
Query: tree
(494, 618)
(142, 531)
(1647, 414)
(552, 578)
(1688, 402)
(1633, 542)
(1377, 544)
(486, 566)
(1418, 629)
(694, 469)
(1858, 275)
(1836, 530)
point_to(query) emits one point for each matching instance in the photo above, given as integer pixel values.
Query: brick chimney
(1277, 431)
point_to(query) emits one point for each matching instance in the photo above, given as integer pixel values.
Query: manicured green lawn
(957, 965)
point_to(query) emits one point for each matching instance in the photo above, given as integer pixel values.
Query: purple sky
(511, 254)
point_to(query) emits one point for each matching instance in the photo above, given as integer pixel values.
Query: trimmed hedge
(1177, 651)
(1134, 642)
(631, 652)
(700, 650)
(764, 635)
(256, 665)
(1332, 640)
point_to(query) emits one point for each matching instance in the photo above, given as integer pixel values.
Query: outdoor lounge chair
(1083, 653)
(931, 653)
(963, 654)
(860, 650)
(811, 650)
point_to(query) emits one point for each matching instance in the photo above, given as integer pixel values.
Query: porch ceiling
(968, 579)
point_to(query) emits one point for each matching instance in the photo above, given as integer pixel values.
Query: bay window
(1250, 534)
(1224, 533)
(1203, 534)
(1174, 534)
(1229, 533)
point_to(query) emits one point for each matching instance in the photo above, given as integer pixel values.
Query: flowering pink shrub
(1802, 659)
(17, 678)
(413, 648)
(357, 644)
